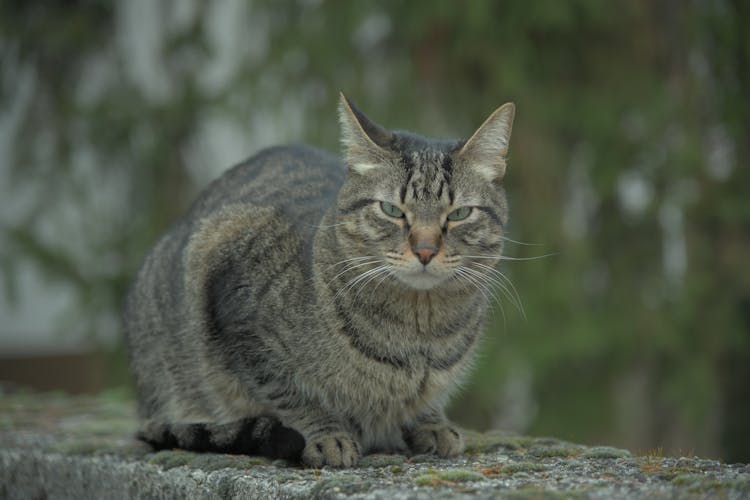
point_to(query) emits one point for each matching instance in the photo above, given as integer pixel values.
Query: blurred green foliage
(628, 162)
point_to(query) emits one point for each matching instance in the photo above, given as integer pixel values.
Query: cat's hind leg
(264, 436)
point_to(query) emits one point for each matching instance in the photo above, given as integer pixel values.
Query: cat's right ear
(364, 141)
(487, 149)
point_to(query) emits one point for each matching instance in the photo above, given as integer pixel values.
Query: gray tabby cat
(315, 310)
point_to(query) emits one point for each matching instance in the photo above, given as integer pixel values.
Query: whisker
(351, 259)
(467, 278)
(366, 278)
(494, 281)
(521, 242)
(352, 267)
(483, 289)
(489, 280)
(362, 286)
(468, 285)
(386, 275)
(505, 257)
(363, 275)
(342, 262)
(477, 278)
(500, 279)
(507, 280)
(353, 282)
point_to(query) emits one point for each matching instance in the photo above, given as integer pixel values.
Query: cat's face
(420, 210)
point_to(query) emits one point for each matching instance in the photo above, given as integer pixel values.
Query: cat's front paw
(334, 450)
(438, 439)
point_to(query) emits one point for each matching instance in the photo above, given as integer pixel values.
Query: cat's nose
(424, 253)
(425, 243)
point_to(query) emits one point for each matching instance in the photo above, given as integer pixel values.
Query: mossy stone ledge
(59, 446)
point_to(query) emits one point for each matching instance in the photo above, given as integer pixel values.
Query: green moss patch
(477, 442)
(702, 484)
(556, 451)
(169, 459)
(212, 461)
(537, 493)
(516, 467)
(452, 476)
(605, 452)
(424, 459)
(512, 468)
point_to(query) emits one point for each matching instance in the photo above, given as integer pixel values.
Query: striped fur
(262, 322)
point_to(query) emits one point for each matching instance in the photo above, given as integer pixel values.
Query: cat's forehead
(408, 143)
(427, 167)
(426, 177)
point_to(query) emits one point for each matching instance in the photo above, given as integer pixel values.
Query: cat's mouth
(421, 279)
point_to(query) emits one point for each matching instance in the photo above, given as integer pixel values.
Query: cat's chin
(421, 280)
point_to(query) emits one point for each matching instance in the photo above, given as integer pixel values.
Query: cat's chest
(395, 361)
(400, 393)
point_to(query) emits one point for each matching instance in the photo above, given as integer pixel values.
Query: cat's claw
(333, 450)
(438, 439)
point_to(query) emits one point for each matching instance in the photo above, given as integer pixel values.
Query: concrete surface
(58, 446)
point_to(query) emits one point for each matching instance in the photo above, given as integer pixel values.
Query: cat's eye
(391, 210)
(459, 214)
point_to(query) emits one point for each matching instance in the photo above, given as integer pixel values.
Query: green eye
(391, 210)
(459, 213)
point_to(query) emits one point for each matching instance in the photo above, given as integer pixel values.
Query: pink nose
(424, 253)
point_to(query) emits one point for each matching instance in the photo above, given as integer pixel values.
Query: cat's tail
(264, 436)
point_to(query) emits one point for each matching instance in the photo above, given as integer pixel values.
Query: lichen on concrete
(451, 476)
(54, 445)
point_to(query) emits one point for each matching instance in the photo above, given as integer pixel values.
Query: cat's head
(424, 210)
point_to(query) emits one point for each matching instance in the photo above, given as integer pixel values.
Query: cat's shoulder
(278, 194)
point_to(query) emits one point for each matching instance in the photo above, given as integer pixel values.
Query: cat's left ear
(363, 140)
(487, 149)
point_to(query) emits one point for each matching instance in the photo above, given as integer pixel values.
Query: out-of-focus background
(628, 162)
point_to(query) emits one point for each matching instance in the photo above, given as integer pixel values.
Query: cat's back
(255, 222)
(239, 257)
(299, 182)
